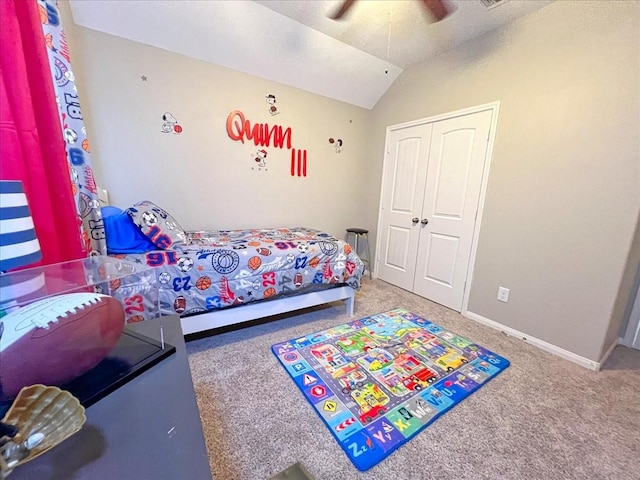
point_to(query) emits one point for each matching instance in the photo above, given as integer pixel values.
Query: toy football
(56, 339)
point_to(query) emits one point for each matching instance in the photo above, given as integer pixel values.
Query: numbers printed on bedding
(268, 278)
(134, 304)
(156, 259)
(181, 283)
(285, 245)
(301, 262)
(213, 302)
(317, 278)
(284, 284)
(162, 240)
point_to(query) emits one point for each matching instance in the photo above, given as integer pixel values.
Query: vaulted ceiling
(354, 60)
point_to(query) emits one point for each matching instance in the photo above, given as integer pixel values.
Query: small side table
(360, 233)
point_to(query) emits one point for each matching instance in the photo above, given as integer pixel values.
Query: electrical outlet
(503, 294)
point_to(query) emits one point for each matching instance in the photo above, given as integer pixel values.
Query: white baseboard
(561, 352)
(615, 343)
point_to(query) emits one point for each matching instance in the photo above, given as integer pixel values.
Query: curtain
(31, 141)
(84, 186)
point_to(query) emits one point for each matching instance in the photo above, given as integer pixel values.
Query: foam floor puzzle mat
(378, 381)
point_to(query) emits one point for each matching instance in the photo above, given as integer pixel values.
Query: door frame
(494, 107)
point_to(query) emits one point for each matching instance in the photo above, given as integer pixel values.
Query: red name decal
(263, 135)
(238, 128)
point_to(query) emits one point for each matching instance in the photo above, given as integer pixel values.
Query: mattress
(228, 268)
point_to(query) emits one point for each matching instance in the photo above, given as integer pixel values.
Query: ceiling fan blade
(438, 8)
(344, 8)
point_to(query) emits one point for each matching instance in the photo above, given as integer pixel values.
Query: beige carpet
(543, 418)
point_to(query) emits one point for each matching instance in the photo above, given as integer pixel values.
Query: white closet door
(456, 161)
(402, 196)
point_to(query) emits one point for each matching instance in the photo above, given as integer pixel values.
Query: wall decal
(170, 124)
(271, 100)
(337, 144)
(239, 128)
(298, 163)
(260, 158)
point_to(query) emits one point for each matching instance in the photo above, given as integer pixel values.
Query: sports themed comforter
(224, 268)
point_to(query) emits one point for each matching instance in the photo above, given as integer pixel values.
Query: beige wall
(564, 188)
(203, 177)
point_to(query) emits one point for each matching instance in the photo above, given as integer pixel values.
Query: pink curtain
(31, 142)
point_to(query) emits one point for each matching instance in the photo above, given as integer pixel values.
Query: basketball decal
(135, 319)
(203, 283)
(269, 292)
(254, 244)
(225, 261)
(314, 262)
(115, 284)
(84, 202)
(347, 249)
(328, 248)
(254, 263)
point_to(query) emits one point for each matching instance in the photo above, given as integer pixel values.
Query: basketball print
(135, 319)
(225, 261)
(269, 292)
(263, 251)
(314, 262)
(254, 244)
(347, 249)
(203, 283)
(254, 263)
(328, 248)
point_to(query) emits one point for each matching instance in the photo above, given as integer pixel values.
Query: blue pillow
(124, 236)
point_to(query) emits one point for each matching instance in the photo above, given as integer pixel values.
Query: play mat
(378, 381)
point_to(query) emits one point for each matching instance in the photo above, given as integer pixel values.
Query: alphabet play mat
(378, 381)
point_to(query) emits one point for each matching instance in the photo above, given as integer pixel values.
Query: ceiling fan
(438, 9)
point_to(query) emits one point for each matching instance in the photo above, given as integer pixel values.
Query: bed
(218, 278)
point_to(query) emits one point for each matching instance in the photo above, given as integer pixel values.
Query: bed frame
(252, 311)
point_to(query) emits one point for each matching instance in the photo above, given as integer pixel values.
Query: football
(56, 339)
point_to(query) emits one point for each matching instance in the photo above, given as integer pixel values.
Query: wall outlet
(503, 294)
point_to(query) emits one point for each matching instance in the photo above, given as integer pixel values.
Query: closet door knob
(424, 221)
(415, 220)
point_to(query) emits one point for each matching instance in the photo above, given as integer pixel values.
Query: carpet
(378, 381)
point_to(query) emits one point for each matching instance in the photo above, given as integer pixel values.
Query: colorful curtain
(85, 190)
(31, 142)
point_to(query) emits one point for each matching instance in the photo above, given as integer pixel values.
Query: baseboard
(615, 343)
(561, 352)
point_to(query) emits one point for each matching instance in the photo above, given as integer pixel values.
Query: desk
(148, 429)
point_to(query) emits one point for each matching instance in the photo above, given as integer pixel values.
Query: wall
(201, 176)
(564, 188)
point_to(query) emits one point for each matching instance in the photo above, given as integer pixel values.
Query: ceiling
(354, 60)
